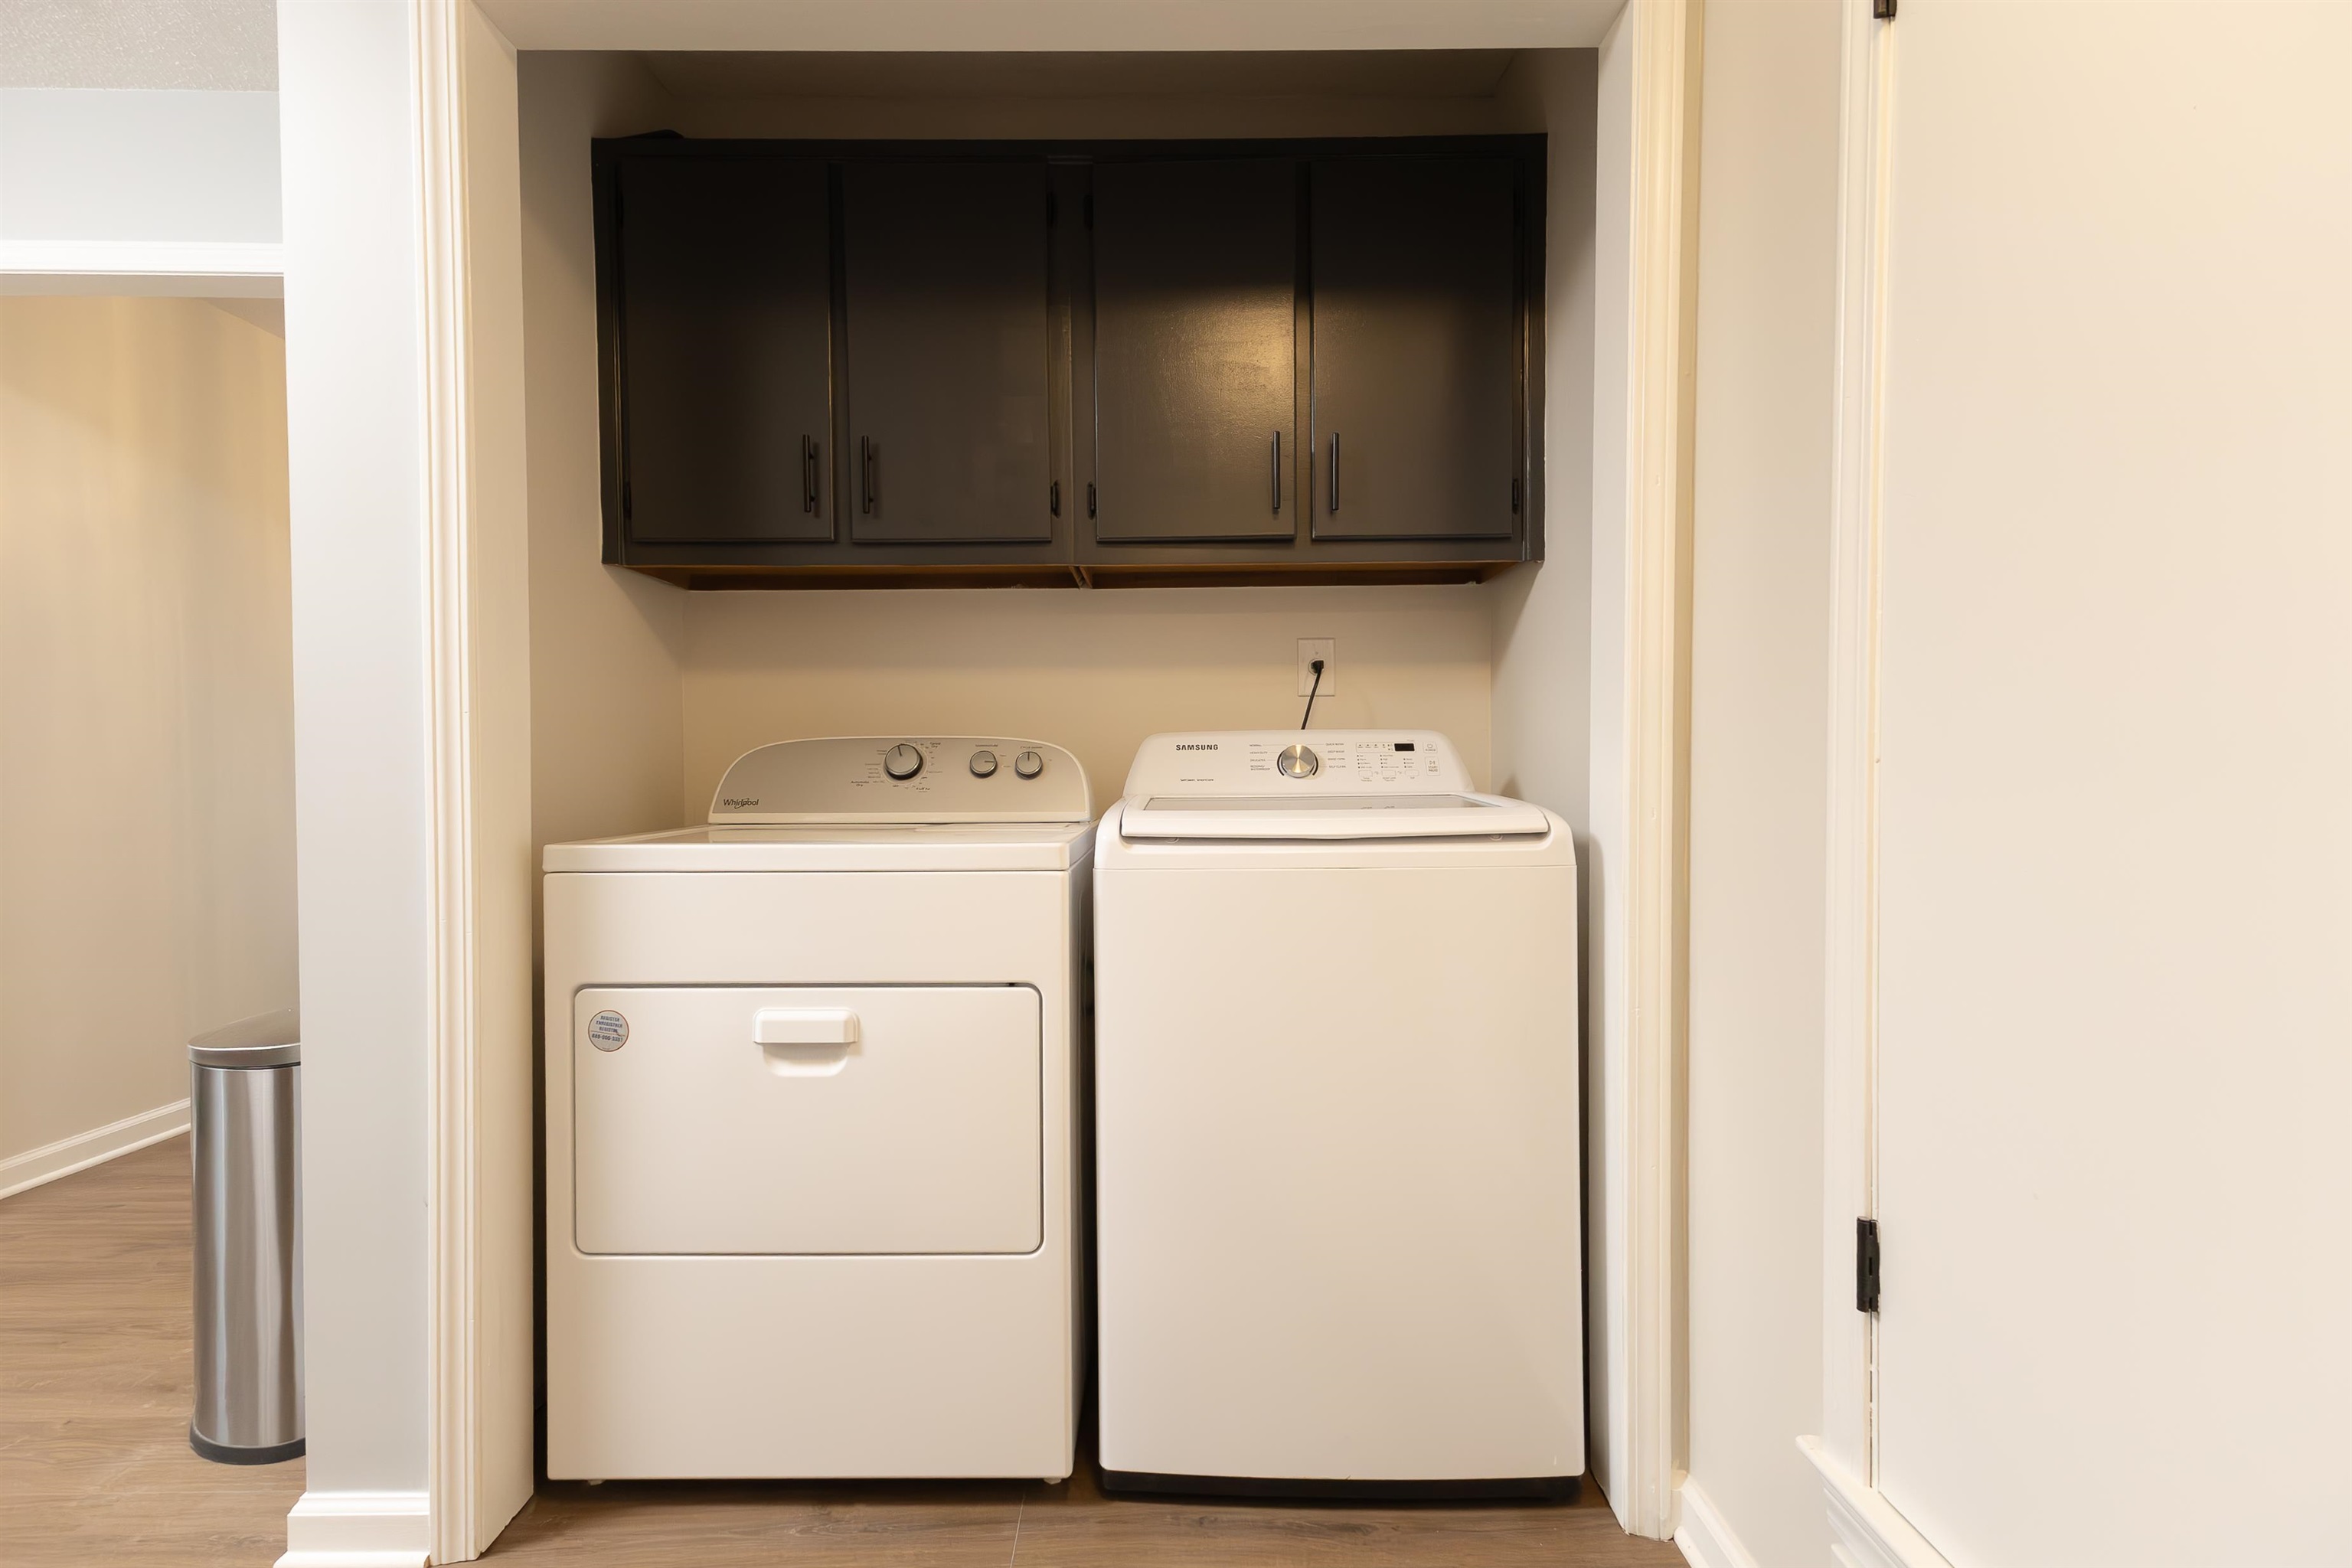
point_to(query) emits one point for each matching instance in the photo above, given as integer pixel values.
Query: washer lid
(1311, 784)
(1329, 817)
(903, 779)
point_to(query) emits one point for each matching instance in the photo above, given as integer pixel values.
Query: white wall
(138, 164)
(146, 704)
(1542, 612)
(354, 370)
(1542, 642)
(2112, 1077)
(1760, 691)
(1602, 845)
(139, 148)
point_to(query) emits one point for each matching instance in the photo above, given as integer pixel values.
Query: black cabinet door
(726, 316)
(950, 353)
(1196, 349)
(1415, 347)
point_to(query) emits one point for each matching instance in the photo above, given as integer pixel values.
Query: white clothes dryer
(811, 1087)
(1336, 1123)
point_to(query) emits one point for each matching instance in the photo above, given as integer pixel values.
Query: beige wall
(1760, 749)
(146, 729)
(1092, 671)
(604, 642)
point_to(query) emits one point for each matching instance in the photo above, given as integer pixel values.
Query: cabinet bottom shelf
(1079, 574)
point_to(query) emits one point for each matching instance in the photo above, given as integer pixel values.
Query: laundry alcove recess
(1058, 364)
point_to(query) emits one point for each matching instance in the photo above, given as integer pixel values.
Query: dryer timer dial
(902, 760)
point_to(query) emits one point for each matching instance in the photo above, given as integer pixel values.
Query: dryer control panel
(1298, 763)
(903, 778)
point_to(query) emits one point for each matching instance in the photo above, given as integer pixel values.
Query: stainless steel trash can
(243, 1093)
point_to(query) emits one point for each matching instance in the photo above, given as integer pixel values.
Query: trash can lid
(264, 1040)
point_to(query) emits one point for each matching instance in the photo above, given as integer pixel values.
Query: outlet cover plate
(1309, 650)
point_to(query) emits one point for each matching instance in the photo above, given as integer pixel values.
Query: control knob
(983, 764)
(1028, 764)
(902, 760)
(1298, 763)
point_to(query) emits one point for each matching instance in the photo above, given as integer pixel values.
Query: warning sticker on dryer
(608, 1031)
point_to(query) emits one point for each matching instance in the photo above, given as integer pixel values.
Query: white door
(2114, 1054)
(807, 1118)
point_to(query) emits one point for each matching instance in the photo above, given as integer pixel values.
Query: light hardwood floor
(96, 1383)
(95, 1466)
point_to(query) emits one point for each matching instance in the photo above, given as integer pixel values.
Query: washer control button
(1028, 764)
(1298, 763)
(902, 760)
(983, 764)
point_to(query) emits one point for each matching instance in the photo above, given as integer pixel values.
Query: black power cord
(1313, 687)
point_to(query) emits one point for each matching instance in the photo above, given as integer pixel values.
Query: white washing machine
(1336, 1123)
(812, 1072)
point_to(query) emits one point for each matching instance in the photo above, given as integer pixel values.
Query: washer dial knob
(983, 764)
(1298, 763)
(1028, 764)
(902, 760)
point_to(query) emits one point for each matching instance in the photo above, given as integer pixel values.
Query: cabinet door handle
(1278, 473)
(866, 473)
(1335, 472)
(809, 451)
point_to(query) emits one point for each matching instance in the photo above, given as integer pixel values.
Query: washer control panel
(904, 778)
(1298, 761)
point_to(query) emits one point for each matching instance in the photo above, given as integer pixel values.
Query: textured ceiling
(1374, 73)
(226, 46)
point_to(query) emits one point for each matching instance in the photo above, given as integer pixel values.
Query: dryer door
(889, 1119)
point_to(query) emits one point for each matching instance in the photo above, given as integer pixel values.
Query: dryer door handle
(804, 1026)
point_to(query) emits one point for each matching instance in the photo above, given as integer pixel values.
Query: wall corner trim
(1663, 35)
(438, 100)
(30, 1169)
(1869, 1532)
(358, 1529)
(1705, 1537)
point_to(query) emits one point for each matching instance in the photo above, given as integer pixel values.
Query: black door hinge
(1882, 10)
(1866, 1265)
(1053, 497)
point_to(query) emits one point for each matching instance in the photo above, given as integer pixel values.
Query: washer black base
(1546, 1489)
(227, 1454)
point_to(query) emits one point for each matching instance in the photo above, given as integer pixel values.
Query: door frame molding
(1844, 1454)
(479, 1150)
(1644, 1162)
(480, 1376)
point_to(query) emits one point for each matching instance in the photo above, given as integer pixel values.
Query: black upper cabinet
(1195, 348)
(1416, 336)
(949, 353)
(1067, 364)
(725, 270)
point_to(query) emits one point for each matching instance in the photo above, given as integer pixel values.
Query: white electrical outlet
(1309, 650)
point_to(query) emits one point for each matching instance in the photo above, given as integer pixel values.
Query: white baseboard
(1706, 1540)
(1867, 1532)
(95, 1147)
(358, 1529)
